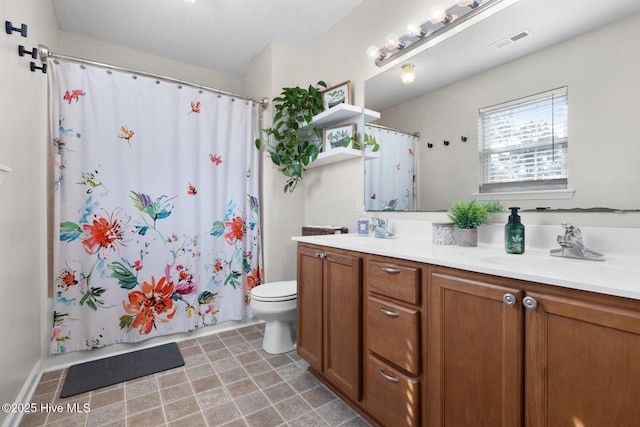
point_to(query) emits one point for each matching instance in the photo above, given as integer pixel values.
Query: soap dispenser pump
(514, 233)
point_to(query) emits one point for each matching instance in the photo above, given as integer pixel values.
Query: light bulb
(190, 1)
(373, 52)
(408, 74)
(392, 41)
(414, 30)
(437, 14)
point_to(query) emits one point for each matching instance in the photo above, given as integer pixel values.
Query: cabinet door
(582, 363)
(309, 327)
(475, 352)
(343, 322)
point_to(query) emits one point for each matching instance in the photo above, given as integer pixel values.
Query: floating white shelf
(338, 114)
(341, 113)
(335, 155)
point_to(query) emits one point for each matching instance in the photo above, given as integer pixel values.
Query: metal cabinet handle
(389, 313)
(509, 299)
(388, 377)
(320, 254)
(529, 303)
(390, 270)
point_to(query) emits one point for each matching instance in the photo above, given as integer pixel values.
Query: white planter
(467, 237)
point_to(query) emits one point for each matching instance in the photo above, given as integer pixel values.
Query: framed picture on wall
(338, 94)
(337, 136)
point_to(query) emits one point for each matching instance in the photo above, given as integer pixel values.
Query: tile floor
(227, 380)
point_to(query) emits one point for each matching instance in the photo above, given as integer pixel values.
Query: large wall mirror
(532, 46)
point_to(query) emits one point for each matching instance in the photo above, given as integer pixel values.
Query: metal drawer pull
(389, 313)
(388, 378)
(390, 270)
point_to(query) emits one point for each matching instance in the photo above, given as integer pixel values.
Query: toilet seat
(275, 291)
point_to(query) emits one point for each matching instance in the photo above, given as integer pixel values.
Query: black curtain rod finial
(9, 28)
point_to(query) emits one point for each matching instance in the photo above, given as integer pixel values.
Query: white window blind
(523, 143)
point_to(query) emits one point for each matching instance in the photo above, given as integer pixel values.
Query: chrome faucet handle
(571, 231)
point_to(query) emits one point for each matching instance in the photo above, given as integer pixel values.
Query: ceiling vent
(512, 39)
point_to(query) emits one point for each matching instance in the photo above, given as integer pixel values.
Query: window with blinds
(523, 144)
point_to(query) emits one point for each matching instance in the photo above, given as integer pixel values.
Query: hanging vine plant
(292, 141)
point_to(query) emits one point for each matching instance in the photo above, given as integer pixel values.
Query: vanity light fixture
(190, 1)
(408, 74)
(441, 23)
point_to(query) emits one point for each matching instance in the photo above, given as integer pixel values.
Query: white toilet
(276, 304)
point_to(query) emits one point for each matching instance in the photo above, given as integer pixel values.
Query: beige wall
(22, 195)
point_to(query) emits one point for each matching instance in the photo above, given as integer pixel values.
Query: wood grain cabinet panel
(394, 333)
(475, 347)
(582, 363)
(329, 331)
(393, 397)
(395, 279)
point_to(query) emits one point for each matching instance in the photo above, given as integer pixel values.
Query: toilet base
(278, 337)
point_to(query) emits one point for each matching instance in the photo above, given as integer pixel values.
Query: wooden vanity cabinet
(504, 352)
(394, 340)
(475, 351)
(329, 329)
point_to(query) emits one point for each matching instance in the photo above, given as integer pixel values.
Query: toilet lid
(275, 291)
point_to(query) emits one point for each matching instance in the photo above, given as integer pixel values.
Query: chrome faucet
(571, 245)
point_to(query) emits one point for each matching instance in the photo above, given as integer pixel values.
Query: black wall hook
(463, 138)
(22, 51)
(34, 68)
(445, 142)
(9, 28)
(429, 145)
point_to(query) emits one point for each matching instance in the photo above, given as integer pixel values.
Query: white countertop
(618, 275)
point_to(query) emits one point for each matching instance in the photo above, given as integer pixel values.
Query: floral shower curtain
(156, 197)
(389, 178)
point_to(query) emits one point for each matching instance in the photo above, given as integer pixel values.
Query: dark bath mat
(123, 367)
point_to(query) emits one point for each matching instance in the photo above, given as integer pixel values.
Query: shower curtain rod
(414, 134)
(44, 53)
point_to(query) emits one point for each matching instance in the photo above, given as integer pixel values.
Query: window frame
(554, 187)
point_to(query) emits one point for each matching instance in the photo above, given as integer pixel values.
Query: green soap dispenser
(514, 233)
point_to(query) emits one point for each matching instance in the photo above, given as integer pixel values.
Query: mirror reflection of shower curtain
(156, 197)
(389, 178)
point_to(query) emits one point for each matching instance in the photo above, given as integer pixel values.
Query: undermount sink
(540, 262)
(535, 263)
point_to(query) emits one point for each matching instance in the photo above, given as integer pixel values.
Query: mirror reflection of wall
(599, 69)
(389, 173)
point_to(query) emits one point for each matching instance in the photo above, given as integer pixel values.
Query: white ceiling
(224, 35)
(471, 51)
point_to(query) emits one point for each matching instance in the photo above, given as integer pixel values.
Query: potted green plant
(292, 140)
(467, 217)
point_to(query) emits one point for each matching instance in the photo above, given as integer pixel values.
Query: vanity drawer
(391, 396)
(393, 332)
(394, 279)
